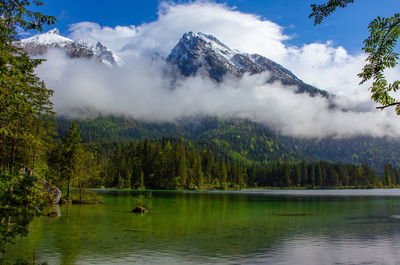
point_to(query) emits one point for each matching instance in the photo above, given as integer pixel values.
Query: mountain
(39, 44)
(192, 52)
(198, 50)
(240, 140)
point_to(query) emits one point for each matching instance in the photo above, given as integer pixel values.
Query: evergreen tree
(182, 169)
(198, 173)
(25, 106)
(25, 121)
(319, 176)
(241, 182)
(286, 180)
(223, 174)
(388, 174)
(72, 154)
(312, 175)
(298, 176)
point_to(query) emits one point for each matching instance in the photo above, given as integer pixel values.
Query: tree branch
(388, 105)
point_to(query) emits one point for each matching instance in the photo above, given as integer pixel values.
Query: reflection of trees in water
(143, 200)
(205, 224)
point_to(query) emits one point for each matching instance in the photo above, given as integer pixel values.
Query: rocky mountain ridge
(41, 43)
(199, 50)
(194, 51)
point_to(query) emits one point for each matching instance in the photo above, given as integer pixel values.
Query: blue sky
(347, 27)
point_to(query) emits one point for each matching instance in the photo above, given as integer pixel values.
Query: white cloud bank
(140, 89)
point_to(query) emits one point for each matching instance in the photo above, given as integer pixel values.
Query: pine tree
(318, 175)
(223, 175)
(388, 174)
(72, 154)
(312, 174)
(286, 180)
(297, 175)
(182, 168)
(198, 173)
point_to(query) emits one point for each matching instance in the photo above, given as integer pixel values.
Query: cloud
(242, 31)
(140, 89)
(114, 38)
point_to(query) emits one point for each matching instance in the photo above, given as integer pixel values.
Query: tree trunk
(80, 192)
(69, 183)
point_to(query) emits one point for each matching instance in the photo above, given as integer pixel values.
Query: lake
(245, 227)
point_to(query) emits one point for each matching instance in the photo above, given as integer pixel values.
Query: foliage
(240, 140)
(380, 48)
(376, 152)
(72, 163)
(25, 121)
(21, 199)
(321, 11)
(15, 14)
(71, 156)
(25, 106)
(380, 45)
(176, 163)
(227, 154)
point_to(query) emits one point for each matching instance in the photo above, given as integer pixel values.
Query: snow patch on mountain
(51, 37)
(39, 44)
(199, 50)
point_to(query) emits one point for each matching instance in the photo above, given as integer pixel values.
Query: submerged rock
(139, 209)
(294, 214)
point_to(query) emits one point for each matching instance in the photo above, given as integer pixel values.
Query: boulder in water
(139, 209)
(53, 214)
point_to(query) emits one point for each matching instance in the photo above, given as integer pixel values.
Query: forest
(240, 139)
(176, 163)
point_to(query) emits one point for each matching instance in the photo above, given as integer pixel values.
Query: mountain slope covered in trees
(242, 140)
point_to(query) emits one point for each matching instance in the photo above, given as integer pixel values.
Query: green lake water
(247, 227)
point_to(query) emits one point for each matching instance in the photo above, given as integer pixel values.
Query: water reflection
(220, 228)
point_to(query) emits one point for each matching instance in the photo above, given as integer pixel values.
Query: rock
(139, 209)
(53, 214)
(53, 191)
(41, 43)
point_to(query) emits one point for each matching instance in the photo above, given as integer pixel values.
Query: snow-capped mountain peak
(39, 45)
(54, 31)
(199, 50)
(195, 48)
(51, 37)
(106, 54)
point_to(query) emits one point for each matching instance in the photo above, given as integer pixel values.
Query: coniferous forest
(181, 164)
